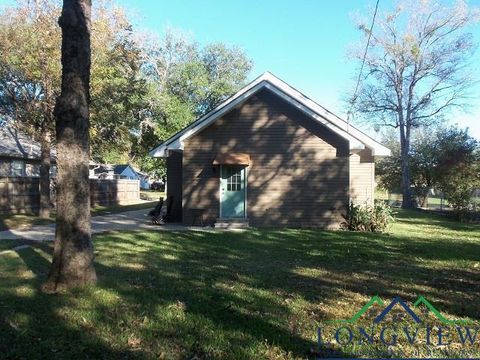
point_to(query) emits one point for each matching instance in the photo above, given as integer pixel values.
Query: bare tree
(416, 70)
(72, 263)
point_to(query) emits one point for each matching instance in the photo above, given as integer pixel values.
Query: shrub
(376, 218)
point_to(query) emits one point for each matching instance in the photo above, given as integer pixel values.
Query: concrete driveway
(129, 220)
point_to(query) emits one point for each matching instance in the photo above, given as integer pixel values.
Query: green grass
(258, 294)
(25, 221)
(151, 194)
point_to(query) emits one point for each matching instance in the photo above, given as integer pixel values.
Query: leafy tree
(416, 71)
(423, 163)
(72, 263)
(185, 81)
(30, 73)
(142, 90)
(30, 77)
(442, 158)
(458, 167)
(389, 169)
(118, 90)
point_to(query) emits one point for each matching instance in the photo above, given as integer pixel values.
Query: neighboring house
(119, 172)
(270, 156)
(145, 182)
(19, 154)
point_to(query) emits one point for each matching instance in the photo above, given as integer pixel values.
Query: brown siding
(362, 177)
(174, 184)
(299, 171)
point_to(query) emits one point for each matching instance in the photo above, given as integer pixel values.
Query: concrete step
(231, 223)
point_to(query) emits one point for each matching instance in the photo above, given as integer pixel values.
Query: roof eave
(356, 139)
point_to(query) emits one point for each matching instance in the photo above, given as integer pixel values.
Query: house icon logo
(398, 302)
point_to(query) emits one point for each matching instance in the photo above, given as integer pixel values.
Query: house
(110, 172)
(269, 156)
(144, 180)
(20, 154)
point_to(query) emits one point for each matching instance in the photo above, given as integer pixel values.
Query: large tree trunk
(407, 202)
(72, 263)
(45, 161)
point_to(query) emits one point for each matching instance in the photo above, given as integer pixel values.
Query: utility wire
(354, 98)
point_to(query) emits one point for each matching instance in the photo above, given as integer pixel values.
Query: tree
(72, 263)
(30, 78)
(416, 71)
(424, 159)
(119, 90)
(443, 158)
(185, 80)
(458, 167)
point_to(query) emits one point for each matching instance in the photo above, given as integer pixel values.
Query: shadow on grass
(229, 295)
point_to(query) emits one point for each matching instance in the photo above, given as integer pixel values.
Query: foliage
(458, 168)
(416, 70)
(389, 169)
(30, 43)
(184, 80)
(143, 89)
(119, 94)
(442, 158)
(364, 217)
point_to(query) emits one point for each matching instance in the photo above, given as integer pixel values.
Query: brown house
(269, 156)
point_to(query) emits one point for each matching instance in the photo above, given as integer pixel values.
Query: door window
(234, 179)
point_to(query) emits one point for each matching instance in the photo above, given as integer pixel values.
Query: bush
(376, 218)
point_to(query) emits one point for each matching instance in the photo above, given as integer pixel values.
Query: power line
(354, 98)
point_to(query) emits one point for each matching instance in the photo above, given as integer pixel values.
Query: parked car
(158, 185)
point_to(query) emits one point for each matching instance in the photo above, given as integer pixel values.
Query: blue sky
(304, 42)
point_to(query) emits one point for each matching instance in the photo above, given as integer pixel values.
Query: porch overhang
(232, 159)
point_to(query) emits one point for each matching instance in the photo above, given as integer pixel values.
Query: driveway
(129, 220)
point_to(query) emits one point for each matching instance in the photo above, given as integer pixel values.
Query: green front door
(232, 191)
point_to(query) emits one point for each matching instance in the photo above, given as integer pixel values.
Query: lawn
(259, 294)
(152, 195)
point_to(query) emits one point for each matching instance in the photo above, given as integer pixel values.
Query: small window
(32, 170)
(17, 168)
(234, 182)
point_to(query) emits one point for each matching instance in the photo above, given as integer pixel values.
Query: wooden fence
(114, 192)
(20, 195)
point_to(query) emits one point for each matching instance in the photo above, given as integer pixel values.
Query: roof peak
(355, 137)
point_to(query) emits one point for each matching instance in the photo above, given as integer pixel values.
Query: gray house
(19, 154)
(269, 156)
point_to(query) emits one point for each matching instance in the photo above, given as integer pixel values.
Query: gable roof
(16, 144)
(357, 139)
(119, 169)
